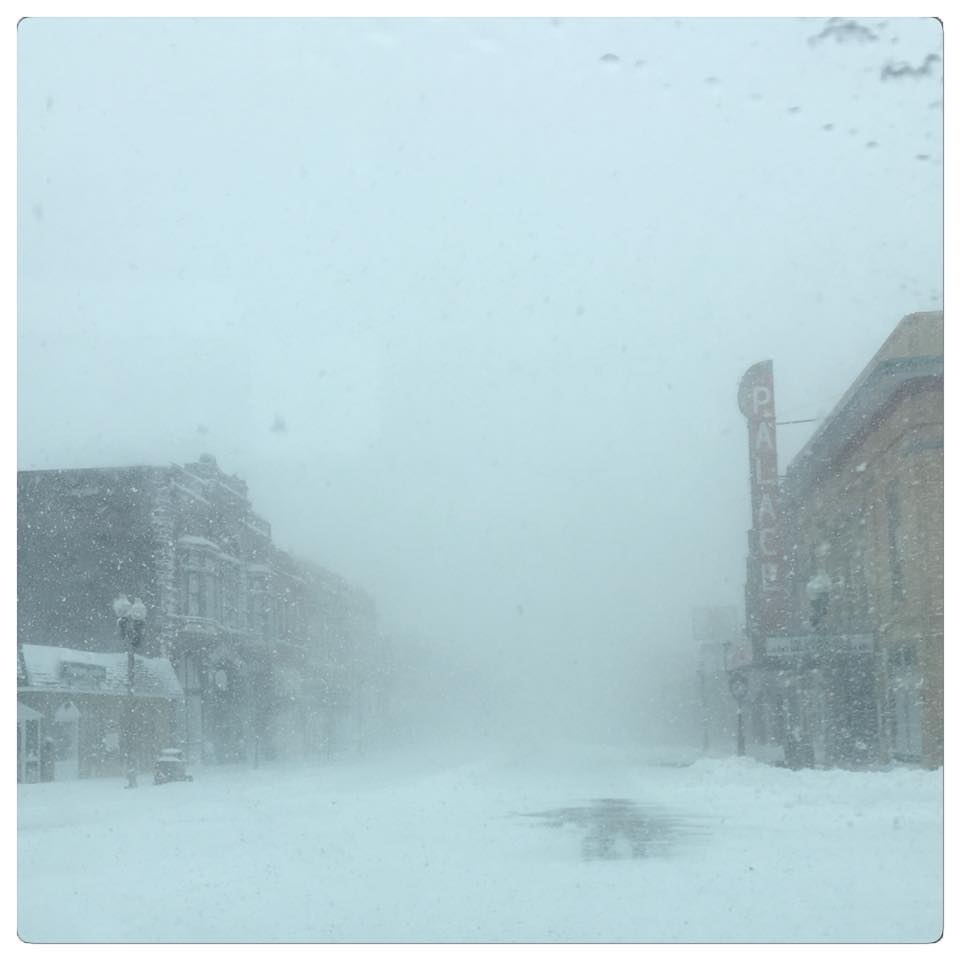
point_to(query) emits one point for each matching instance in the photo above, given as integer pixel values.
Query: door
(66, 743)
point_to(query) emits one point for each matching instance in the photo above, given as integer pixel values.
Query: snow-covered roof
(191, 493)
(230, 489)
(88, 671)
(198, 542)
(259, 531)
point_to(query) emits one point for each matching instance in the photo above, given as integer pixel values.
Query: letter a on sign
(764, 437)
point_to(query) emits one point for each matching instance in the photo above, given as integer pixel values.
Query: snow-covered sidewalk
(396, 849)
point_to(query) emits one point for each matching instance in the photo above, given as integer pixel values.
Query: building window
(193, 594)
(193, 675)
(231, 599)
(296, 621)
(893, 539)
(201, 584)
(259, 608)
(266, 619)
(907, 736)
(208, 597)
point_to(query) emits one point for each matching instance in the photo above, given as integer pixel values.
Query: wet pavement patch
(619, 829)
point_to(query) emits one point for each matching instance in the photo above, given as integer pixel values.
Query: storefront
(74, 711)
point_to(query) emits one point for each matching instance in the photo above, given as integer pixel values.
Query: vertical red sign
(765, 566)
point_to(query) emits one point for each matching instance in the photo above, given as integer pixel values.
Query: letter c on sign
(766, 549)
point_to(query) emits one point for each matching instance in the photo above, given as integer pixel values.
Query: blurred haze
(466, 303)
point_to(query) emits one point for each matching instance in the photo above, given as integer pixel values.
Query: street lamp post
(818, 593)
(704, 720)
(130, 620)
(738, 688)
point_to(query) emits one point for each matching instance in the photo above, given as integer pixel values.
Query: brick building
(858, 676)
(269, 651)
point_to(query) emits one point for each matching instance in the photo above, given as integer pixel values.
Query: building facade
(84, 711)
(265, 647)
(857, 675)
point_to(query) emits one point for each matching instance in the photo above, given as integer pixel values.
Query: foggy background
(466, 303)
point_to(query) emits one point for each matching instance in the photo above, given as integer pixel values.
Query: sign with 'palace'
(765, 581)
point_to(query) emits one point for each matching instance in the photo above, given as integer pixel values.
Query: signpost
(765, 574)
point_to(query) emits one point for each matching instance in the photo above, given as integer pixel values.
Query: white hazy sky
(498, 287)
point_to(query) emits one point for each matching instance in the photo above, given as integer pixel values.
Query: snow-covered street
(403, 848)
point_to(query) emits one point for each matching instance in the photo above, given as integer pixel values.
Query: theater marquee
(765, 573)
